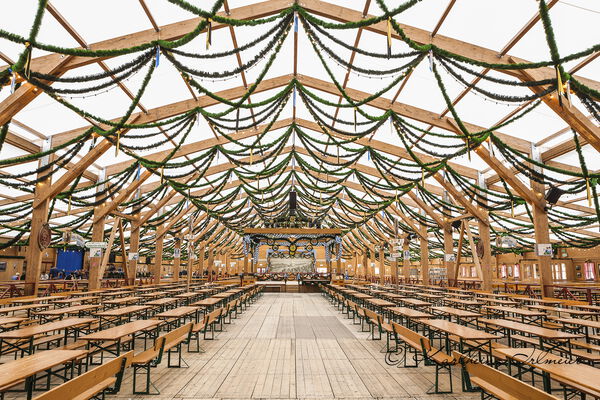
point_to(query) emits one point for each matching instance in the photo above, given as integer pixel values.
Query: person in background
(53, 272)
(15, 277)
(44, 276)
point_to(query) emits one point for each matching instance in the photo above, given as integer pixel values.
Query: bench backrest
(371, 314)
(177, 333)
(214, 316)
(413, 337)
(110, 373)
(497, 382)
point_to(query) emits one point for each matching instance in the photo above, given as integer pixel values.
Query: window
(588, 269)
(559, 272)
(503, 271)
(517, 271)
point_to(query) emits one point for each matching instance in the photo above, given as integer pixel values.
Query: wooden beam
(571, 115)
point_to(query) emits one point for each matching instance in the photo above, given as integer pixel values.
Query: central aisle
(293, 346)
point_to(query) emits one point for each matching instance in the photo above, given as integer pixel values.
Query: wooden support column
(542, 232)
(245, 270)
(190, 263)
(405, 260)
(39, 217)
(424, 246)
(484, 238)
(158, 258)
(177, 260)
(338, 266)
(201, 259)
(95, 276)
(381, 265)
(134, 247)
(366, 265)
(211, 265)
(448, 249)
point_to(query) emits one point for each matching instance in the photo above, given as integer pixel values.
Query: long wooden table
(470, 339)
(27, 334)
(23, 369)
(549, 339)
(556, 367)
(114, 336)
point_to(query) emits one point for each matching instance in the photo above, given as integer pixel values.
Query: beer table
(473, 305)
(478, 340)
(415, 303)
(534, 317)
(499, 302)
(80, 311)
(32, 300)
(179, 315)
(121, 301)
(410, 314)
(381, 305)
(560, 310)
(460, 314)
(555, 367)
(25, 336)
(114, 294)
(114, 336)
(549, 339)
(71, 300)
(10, 322)
(547, 302)
(583, 324)
(25, 369)
(207, 304)
(119, 314)
(163, 304)
(29, 308)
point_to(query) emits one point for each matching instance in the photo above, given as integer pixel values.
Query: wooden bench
(497, 383)
(105, 378)
(152, 357)
(411, 342)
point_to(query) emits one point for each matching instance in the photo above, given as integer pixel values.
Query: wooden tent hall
(299, 199)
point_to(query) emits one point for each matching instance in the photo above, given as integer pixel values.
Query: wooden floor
(292, 346)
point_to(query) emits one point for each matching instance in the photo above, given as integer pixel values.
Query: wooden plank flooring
(291, 346)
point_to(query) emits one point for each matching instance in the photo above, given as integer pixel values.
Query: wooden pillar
(542, 229)
(177, 260)
(424, 245)
(134, 247)
(211, 264)
(449, 249)
(201, 260)
(158, 258)
(190, 262)
(542, 236)
(406, 260)
(366, 265)
(484, 237)
(381, 264)
(338, 266)
(246, 264)
(39, 217)
(94, 277)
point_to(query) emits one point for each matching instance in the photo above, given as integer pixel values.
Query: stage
(293, 286)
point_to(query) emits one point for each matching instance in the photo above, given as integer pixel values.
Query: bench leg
(147, 369)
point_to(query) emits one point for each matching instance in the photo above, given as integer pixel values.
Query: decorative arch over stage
(293, 241)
